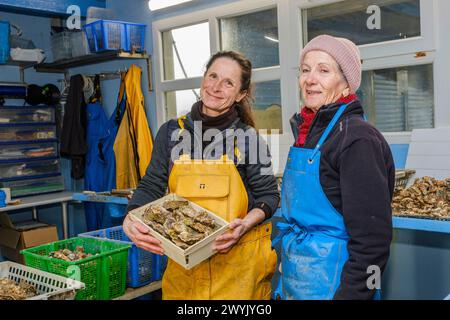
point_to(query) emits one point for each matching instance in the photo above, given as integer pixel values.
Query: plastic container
(28, 151)
(135, 37)
(2, 199)
(61, 46)
(4, 42)
(49, 286)
(105, 35)
(12, 132)
(29, 169)
(104, 274)
(18, 115)
(79, 44)
(143, 266)
(27, 187)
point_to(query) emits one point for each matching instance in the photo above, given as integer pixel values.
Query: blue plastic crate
(143, 266)
(4, 42)
(135, 37)
(103, 35)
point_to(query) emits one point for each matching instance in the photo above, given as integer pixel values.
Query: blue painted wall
(48, 7)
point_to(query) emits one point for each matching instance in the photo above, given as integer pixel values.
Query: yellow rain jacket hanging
(133, 145)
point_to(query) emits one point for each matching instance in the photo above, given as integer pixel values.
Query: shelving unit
(29, 156)
(63, 66)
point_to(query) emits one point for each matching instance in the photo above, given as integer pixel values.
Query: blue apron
(94, 172)
(313, 235)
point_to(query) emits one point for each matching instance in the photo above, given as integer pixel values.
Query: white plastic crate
(49, 286)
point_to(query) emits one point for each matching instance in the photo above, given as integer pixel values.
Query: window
(399, 99)
(184, 57)
(397, 90)
(267, 106)
(255, 35)
(179, 103)
(187, 44)
(397, 19)
(160, 4)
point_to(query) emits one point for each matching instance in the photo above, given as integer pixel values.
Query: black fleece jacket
(357, 174)
(261, 187)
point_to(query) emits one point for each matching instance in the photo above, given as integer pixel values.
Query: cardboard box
(197, 252)
(15, 237)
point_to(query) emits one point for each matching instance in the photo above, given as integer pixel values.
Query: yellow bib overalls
(246, 271)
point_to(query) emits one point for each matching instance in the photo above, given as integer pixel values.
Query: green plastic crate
(104, 274)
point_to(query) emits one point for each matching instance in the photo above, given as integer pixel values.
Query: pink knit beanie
(344, 51)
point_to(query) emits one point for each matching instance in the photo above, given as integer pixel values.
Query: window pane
(267, 106)
(160, 4)
(255, 35)
(179, 103)
(186, 51)
(399, 99)
(398, 19)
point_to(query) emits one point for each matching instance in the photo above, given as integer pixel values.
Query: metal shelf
(63, 65)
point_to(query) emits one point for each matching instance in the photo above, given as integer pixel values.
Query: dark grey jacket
(254, 169)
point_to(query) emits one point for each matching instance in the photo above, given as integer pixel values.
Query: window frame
(280, 72)
(385, 54)
(394, 53)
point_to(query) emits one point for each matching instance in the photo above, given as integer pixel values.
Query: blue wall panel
(400, 153)
(49, 7)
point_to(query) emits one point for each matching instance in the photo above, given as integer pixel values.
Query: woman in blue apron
(337, 185)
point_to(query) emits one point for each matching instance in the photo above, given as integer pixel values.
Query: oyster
(191, 237)
(198, 226)
(174, 204)
(10, 290)
(179, 222)
(426, 197)
(205, 219)
(155, 213)
(188, 211)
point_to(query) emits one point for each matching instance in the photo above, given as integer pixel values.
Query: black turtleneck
(220, 122)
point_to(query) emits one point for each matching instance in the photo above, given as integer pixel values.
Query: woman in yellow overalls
(214, 157)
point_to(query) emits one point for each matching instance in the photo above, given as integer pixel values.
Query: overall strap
(328, 130)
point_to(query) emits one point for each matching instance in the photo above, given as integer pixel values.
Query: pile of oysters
(10, 290)
(427, 197)
(69, 255)
(179, 222)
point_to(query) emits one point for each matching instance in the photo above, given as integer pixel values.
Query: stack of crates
(143, 266)
(103, 35)
(104, 273)
(4, 42)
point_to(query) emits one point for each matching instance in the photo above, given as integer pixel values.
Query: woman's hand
(139, 235)
(226, 241)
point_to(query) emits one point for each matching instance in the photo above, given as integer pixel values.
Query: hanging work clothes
(73, 136)
(133, 145)
(106, 155)
(95, 174)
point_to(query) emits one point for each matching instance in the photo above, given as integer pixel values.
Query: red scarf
(308, 116)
